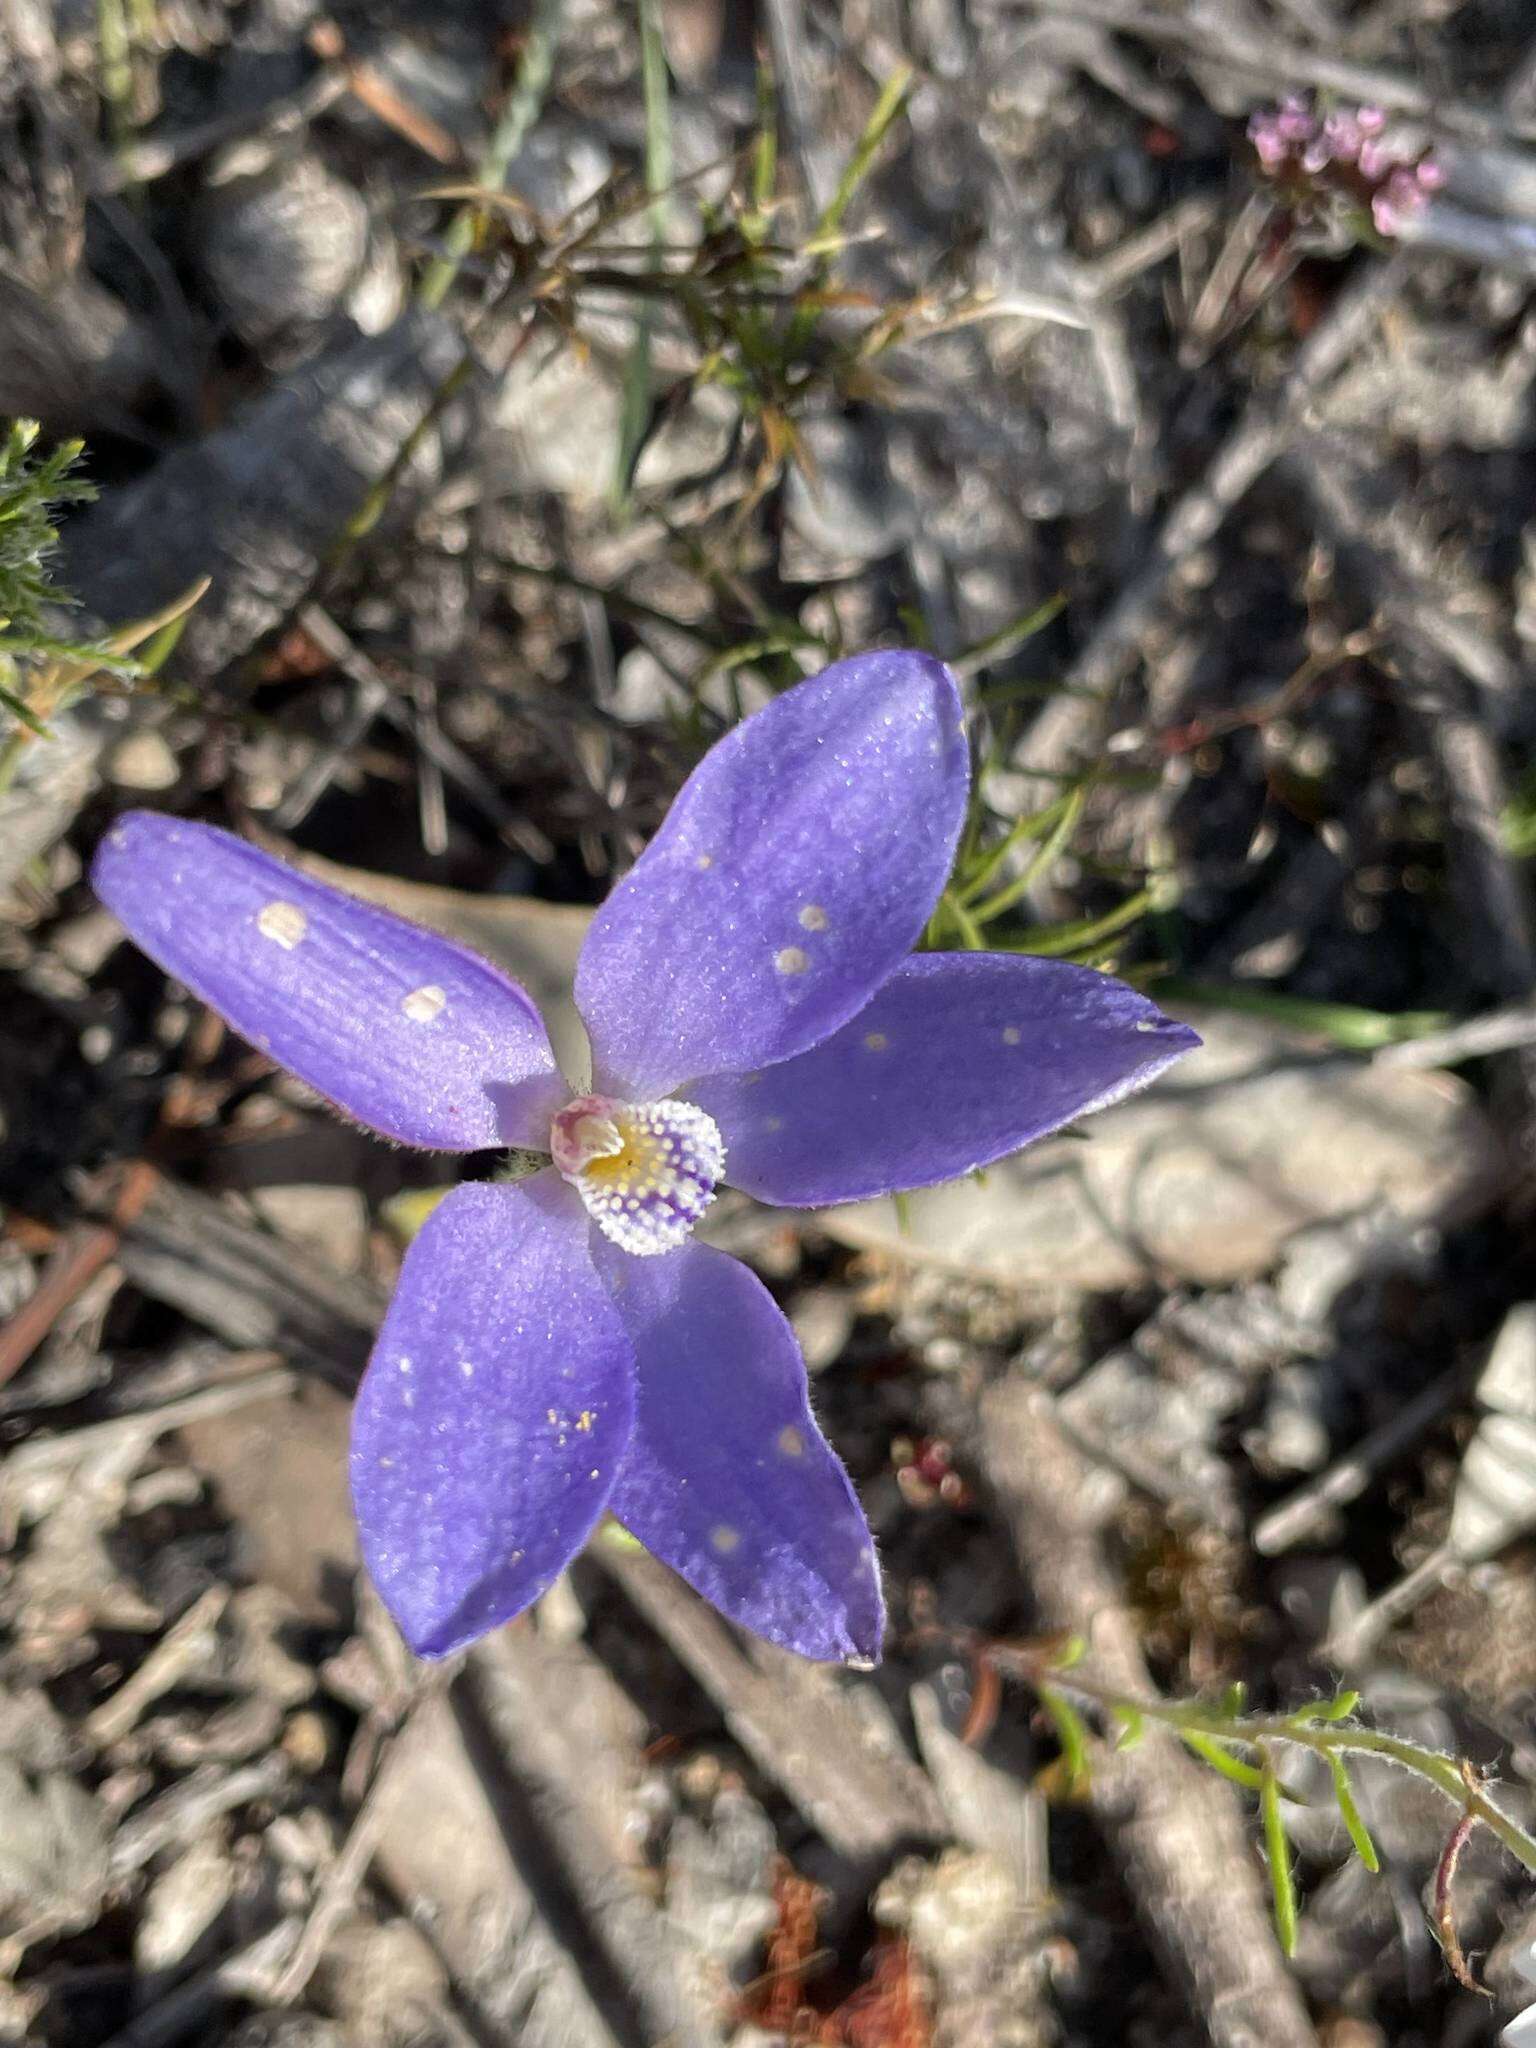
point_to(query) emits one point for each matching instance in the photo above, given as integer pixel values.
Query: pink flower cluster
(1344, 154)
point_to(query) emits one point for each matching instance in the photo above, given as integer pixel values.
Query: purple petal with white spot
(960, 1059)
(404, 1031)
(727, 1477)
(492, 1419)
(796, 868)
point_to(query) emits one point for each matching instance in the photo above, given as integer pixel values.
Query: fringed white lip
(645, 1171)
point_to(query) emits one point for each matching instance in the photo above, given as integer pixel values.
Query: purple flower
(1405, 193)
(1295, 119)
(1271, 144)
(563, 1345)
(1330, 167)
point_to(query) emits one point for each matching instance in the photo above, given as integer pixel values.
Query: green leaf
(1350, 1814)
(1133, 1724)
(1339, 1708)
(1070, 1733)
(24, 713)
(1210, 1751)
(1277, 1851)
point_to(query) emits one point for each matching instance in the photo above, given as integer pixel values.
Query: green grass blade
(1347, 1025)
(1034, 826)
(518, 116)
(1042, 862)
(23, 714)
(1054, 940)
(892, 97)
(655, 96)
(999, 645)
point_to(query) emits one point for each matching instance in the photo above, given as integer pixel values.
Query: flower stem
(1307, 1729)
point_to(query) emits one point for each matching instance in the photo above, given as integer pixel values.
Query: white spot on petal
(1147, 1023)
(813, 918)
(423, 1004)
(1012, 1035)
(705, 861)
(284, 923)
(790, 1441)
(876, 1041)
(724, 1538)
(790, 960)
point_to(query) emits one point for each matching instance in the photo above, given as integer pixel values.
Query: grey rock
(1439, 386)
(1205, 1177)
(1495, 1496)
(73, 356)
(842, 502)
(182, 1904)
(823, 1320)
(561, 166)
(255, 505)
(989, 1808)
(1159, 1430)
(285, 249)
(53, 1850)
(720, 1878)
(1293, 1433)
(384, 1984)
(1507, 1383)
(979, 1942)
(331, 1222)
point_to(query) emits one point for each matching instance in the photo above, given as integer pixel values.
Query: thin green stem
(1040, 863)
(115, 46)
(655, 93)
(1327, 1739)
(517, 117)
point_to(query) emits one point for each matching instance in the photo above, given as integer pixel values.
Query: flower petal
(404, 1031)
(796, 868)
(727, 1478)
(492, 1418)
(961, 1058)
